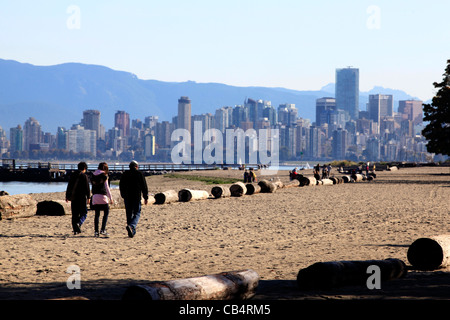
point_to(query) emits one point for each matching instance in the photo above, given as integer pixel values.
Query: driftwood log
(166, 197)
(267, 186)
(430, 253)
(233, 285)
(185, 195)
(220, 192)
(16, 206)
(357, 177)
(50, 208)
(308, 181)
(253, 188)
(347, 179)
(278, 183)
(327, 182)
(324, 275)
(336, 180)
(238, 189)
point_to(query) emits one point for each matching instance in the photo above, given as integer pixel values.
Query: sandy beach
(274, 234)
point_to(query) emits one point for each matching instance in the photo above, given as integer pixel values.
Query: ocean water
(19, 187)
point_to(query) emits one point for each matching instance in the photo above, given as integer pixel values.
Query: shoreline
(274, 234)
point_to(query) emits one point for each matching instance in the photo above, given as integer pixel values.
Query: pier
(13, 170)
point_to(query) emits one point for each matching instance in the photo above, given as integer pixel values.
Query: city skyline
(392, 43)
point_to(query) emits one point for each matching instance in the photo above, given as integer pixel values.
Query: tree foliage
(437, 131)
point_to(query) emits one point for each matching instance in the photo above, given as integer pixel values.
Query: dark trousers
(98, 208)
(79, 213)
(133, 212)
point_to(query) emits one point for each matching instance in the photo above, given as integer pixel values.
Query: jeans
(79, 213)
(133, 212)
(105, 209)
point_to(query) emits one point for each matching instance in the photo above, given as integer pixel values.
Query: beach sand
(274, 234)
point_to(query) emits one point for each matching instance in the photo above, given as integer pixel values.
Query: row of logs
(424, 254)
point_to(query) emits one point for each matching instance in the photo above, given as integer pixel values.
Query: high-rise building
(61, 138)
(82, 140)
(380, 105)
(32, 134)
(411, 110)
(184, 114)
(91, 121)
(347, 91)
(122, 122)
(339, 147)
(16, 139)
(322, 106)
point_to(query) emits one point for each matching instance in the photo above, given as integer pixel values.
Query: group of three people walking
(132, 185)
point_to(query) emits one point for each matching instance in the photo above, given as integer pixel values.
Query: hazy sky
(293, 44)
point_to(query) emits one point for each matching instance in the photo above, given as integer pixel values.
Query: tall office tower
(16, 139)
(221, 119)
(150, 122)
(411, 110)
(240, 114)
(347, 91)
(339, 147)
(322, 106)
(61, 138)
(91, 121)
(184, 114)
(32, 133)
(163, 131)
(149, 145)
(82, 140)
(314, 142)
(270, 113)
(122, 121)
(380, 105)
(252, 107)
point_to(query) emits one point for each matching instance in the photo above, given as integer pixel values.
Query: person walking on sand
(78, 193)
(133, 187)
(101, 197)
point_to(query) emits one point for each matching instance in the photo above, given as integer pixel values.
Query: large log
(238, 189)
(357, 177)
(430, 253)
(278, 183)
(325, 275)
(185, 195)
(50, 208)
(347, 179)
(17, 206)
(166, 197)
(267, 186)
(233, 285)
(308, 181)
(220, 192)
(327, 182)
(253, 188)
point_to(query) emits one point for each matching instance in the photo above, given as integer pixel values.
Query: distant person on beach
(252, 175)
(101, 197)
(78, 193)
(246, 176)
(133, 187)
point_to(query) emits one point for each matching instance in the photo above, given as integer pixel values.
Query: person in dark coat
(78, 193)
(133, 187)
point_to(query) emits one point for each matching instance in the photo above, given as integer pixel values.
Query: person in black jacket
(133, 187)
(78, 192)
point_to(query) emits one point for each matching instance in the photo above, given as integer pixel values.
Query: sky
(297, 45)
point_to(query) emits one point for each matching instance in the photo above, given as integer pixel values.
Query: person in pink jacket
(101, 197)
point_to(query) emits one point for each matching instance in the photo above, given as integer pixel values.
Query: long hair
(103, 166)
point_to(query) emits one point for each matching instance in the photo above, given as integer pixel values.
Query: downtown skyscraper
(347, 91)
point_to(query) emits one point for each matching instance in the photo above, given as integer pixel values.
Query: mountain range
(57, 95)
